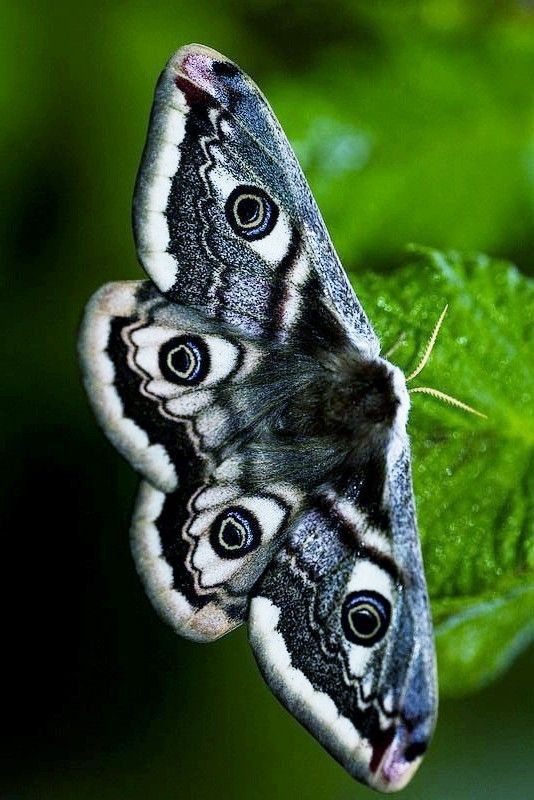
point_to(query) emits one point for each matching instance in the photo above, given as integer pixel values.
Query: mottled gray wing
(341, 629)
(179, 395)
(223, 216)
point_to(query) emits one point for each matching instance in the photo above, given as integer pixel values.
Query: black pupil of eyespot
(182, 360)
(364, 621)
(232, 534)
(248, 210)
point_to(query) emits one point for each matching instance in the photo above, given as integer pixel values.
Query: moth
(245, 384)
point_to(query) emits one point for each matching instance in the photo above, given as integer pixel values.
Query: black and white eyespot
(365, 617)
(185, 360)
(250, 212)
(235, 532)
(175, 361)
(232, 542)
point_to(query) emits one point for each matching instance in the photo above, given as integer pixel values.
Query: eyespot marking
(235, 533)
(250, 212)
(184, 360)
(365, 617)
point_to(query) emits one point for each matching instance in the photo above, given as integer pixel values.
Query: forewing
(214, 154)
(371, 701)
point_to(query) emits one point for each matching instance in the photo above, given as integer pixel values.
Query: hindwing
(178, 397)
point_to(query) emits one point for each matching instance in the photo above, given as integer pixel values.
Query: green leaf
(446, 131)
(472, 476)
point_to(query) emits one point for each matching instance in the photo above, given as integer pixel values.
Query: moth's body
(246, 386)
(341, 412)
(353, 402)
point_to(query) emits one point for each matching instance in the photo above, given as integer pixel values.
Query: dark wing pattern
(340, 627)
(223, 216)
(245, 386)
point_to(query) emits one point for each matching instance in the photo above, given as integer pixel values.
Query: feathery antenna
(446, 398)
(453, 401)
(430, 346)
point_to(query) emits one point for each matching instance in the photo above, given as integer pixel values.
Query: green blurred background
(414, 122)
